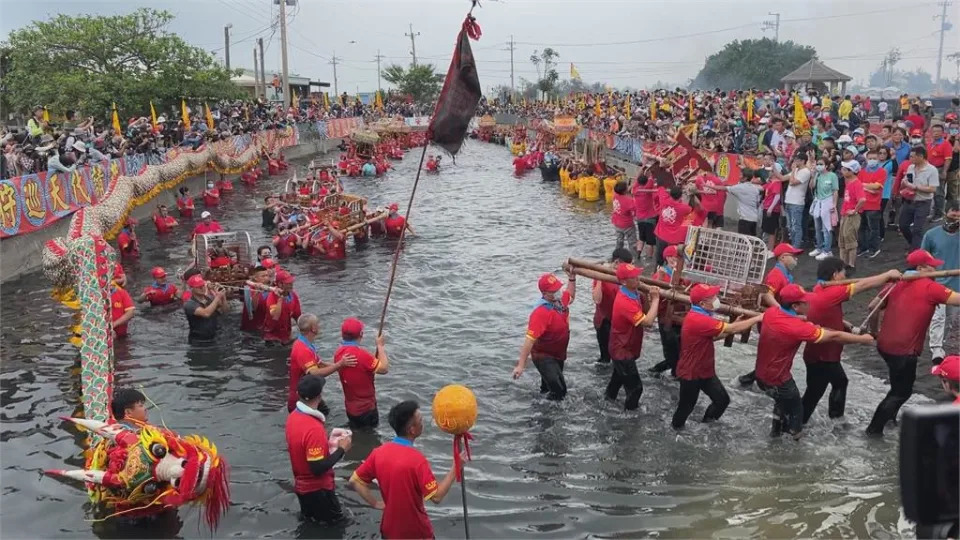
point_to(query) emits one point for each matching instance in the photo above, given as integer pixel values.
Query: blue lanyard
(550, 305)
(668, 271)
(785, 272)
(701, 311)
(302, 339)
(788, 311)
(403, 442)
(248, 300)
(349, 344)
(628, 292)
(164, 288)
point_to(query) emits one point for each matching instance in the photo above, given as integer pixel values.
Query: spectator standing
(944, 244)
(940, 155)
(795, 197)
(917, 188)
(824, 209)
(873, 179)
(853, 201)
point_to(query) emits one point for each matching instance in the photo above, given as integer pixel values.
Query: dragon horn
(84, 475)
(103, 429)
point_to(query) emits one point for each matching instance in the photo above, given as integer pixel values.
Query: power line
(511, 47)
(775, 26)
(413, 44)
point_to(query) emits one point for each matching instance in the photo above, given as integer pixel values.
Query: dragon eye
(158, 450)
(150, 488)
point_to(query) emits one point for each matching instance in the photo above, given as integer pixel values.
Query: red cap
(268, 263)
(352, 327)
(670, 251)
(196, 281)
(923, 257)
(792, 294)
(158, 272)
(701, 292)
(916, 131)
(393, 206)
(949, 368)
(627, 271)
(284, 277)
(549, 283)
(117, 271)
(784, 248)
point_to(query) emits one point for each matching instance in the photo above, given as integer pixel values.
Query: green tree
(547, 79)
(85, 63)
(759, 63)
(420, 81)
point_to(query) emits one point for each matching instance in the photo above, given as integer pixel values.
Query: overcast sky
(668, 40)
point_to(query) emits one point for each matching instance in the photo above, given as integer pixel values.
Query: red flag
(458, 100)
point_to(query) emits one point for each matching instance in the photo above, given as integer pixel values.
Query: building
(815, 74)
(303, 86)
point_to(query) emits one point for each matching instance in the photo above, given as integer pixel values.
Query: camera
(930, 469)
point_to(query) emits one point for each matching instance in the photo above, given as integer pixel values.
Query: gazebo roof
(814, 71)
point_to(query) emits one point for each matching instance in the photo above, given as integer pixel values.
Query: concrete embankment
(21, 254)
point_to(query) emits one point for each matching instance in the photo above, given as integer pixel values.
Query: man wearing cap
(949, 373)
(159, 293)
(127, 240)
(921, 181)
(696, 369)
(305, 361)
(163, 221)
(203, 310)
(604, 294)
(254, 298)
(121, 308)
(395, 223)
(626, 335)
(944, 243)
(825, 307)
(853, 200)
(286, 240)
(669, 330)
(781, 334)
(548, 333)
(909, 309)
(359, 391)
(310, 457)
(207, 225)
(282, 309)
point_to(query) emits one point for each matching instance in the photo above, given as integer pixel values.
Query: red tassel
(472, 28)
(457, 462)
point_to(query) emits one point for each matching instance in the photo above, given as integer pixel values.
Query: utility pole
(226, 45)
(511, 47)
(334, 60)
(413, 44)
(770, 25)
(283, 52)
(378, 57)
(943, 30)
(256, 75)
(263, 70)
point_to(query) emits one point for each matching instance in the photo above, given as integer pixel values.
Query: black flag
(458, 100)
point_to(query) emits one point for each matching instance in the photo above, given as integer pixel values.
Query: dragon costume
(135, 469)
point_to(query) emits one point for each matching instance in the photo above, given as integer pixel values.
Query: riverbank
(21, 254)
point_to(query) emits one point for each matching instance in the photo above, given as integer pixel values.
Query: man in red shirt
(286, 240)
(939, 154)
(915, 118)
(127, 240)
(211, 196)
(121, 308)
(405, 478)
(310, 457)
(332, 243)
(282, 309)
(359, 391)
(900, 341)
(163, 220)
(395, 223)
(548, 333)
(853, 200)
(621, 217)
(669, 329)
(206, 225)
(872, 178)
(781, 334)
(670, 228)
(697, 368)
(711, 198)
(603, 295)
(159, 293)
(626, 335)
(254, 299)
(305, 361)
(949, 373)
(825, 308)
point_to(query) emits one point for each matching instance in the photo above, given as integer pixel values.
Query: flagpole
(463, 497)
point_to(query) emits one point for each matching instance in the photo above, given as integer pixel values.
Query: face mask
(951, 226)
(821, 168)
(955, 131)
(872, 163)
(916, 141)
(715, 305)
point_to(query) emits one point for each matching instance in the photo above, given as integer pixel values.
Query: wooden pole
(906, 277)
(597, 267)
(463, 498)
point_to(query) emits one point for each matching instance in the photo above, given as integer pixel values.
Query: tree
(546, 79)
(85, 63)
(420, 81)
(759, 63)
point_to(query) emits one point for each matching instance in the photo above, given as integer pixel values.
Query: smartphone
(930, 464)
(910, 177)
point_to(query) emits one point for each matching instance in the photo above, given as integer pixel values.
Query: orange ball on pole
(455, 409)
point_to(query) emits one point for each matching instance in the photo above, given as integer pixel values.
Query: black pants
(787, 407)
(322, 505)
(625, 375)
(552, 382)
(913, 219)
(884, 217)
(603, 340)
(748, 378)
(747, 227)
(670, 339)
(819, 375)
(715, 220)
(661, 245)
(690, 392)
(370, 418)
(903, 371)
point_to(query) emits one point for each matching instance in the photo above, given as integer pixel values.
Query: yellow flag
(153, 116)
(574, 74)
(653, 108)
(209, 116)
(750, 107)
(46, 115)
(691, 108)
(800, 122)
(524, 101)
(295, 101)
(326, 101)
(597, 110)
(185, 115)
(116, 121)
(626, 107)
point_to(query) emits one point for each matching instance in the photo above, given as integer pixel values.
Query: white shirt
(796, 194)
(882, 106)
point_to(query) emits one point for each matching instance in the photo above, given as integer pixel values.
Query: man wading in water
(548, 333)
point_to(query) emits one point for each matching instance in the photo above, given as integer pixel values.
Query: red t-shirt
(711, 199)
(204, 228)
(670, 226)
(937, 153)
(406, 481)
(643, 201)
(604, 310)
(623, 211)
(211, 197)
(770, 192)
(874, 198)
(359, 392)
(303, 356)
(626, 335)
(909, 310)
(901, 172)
(307, 441)
(287, 245)
(334, 247)
(164, 224)
(778, 278)
(918, 121)
(696, 345)
(549, 325)
(394, 225)
(127, 244)
(185, 205)
(826, 309)
(161, 295)
(254, 310)
(852, 193)
(120, 303)
(288, 308)
(781, 334)
(220, 261)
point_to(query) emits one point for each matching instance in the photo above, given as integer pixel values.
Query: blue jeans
(794, 213)
(824, 235)
(870, 230)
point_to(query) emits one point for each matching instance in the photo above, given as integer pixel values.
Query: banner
(342, 127)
